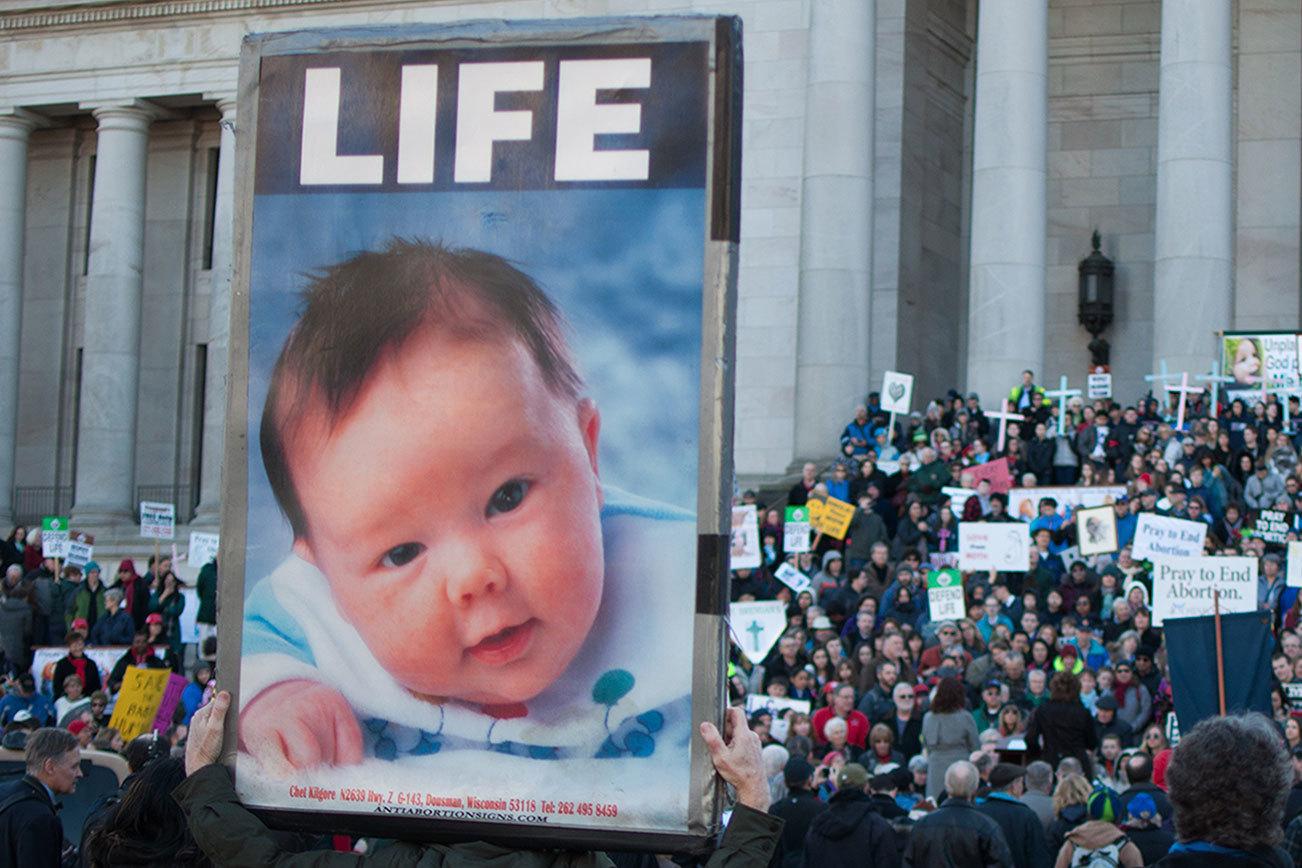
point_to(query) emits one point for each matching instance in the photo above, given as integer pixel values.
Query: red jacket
(857, 726)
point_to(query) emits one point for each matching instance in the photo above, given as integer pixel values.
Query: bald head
(962, 780)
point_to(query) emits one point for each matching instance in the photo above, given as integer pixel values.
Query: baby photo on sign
(1096, 530)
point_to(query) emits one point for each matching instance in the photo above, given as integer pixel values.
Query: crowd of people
(1055, 687)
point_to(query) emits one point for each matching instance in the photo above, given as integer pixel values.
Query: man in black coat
(1139, 772)
(850, 833)
(956, 833)
(1022, 828)
(30, 832)
(798, 810)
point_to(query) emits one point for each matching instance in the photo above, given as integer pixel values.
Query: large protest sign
(1250, 358)
(796, 529)
(81, 548)
(756, 626)
(1187, 587)
(537, 221)
(1024, 503)
(44, 659)
(1160, 536)
(157, 520)
(1096, 531)
(54, 536)
(1001, 480)
(945, 595)
(138, 701)
(830, 516)
(993, 545)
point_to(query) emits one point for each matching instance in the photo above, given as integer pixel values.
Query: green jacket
(233, 837)
(928, 480)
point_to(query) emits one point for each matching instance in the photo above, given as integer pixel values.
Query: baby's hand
(299, 724)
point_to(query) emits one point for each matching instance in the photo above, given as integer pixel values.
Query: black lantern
(1095, 303)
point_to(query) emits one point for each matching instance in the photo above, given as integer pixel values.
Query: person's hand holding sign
(738, 759)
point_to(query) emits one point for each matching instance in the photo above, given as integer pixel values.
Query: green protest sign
(54, 536)
(945, 595)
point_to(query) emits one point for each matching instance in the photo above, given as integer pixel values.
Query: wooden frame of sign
(675, 97)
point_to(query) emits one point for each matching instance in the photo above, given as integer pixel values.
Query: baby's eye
(507, 497)
(401, 555)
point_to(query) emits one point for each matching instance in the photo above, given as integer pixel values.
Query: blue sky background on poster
(624, 266)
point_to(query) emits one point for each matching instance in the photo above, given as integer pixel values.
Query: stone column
(219, 305)
(1194, 227)
(832, 340)
(1010, 130)
(15, 128)
(106, 439)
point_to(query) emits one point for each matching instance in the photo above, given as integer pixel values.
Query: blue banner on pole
(1247, 644)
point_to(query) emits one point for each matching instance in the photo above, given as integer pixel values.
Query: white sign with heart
(897, 392)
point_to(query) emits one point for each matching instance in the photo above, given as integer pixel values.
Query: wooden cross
(1004, 417)
(1185, 390)
(1062, 393)
(1215, 378)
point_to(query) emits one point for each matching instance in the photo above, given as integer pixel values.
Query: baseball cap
(992, 683)
(22, 716)
(822, 623)
(852, 777)
(1004, 774)
(154, 618)
(1141, 807)
(76, 727)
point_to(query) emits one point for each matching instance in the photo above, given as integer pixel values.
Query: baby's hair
(358, 311)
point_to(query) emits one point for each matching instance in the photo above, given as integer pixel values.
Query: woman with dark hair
(147, 828)
(1062, 726)
(949, 732)
(11, 549)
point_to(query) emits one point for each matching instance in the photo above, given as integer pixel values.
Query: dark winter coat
(1022, 830)
(957, 835)
(1061, 729)
(30, 832)
(797, 811)
(1153, 842)
(1191, 856)
(850, 834)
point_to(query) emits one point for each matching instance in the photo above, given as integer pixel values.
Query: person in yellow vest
(1026, 395)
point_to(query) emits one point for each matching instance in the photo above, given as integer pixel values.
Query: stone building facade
(921, 178)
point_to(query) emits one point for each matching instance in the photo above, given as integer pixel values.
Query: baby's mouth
(504, 646)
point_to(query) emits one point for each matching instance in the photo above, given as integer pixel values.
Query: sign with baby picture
(756, 626)
(81, 548)
(745, 549)
(510, 614)
(945, 595)
(1257, 362)
(1189, 587)
(1003, 546)
(796, 529)
(1160, 536)
(54, 536)
(897, 392)
(1096, 531)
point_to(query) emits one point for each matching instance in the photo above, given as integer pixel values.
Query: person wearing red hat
(83, 731)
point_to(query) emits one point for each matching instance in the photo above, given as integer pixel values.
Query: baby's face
(455, 511)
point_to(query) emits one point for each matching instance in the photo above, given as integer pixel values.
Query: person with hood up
(1099, 836)
(797, 810)
(832, 573)
(87, 603)
(850, 832)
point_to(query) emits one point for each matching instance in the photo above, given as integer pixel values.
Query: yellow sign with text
(830, 516)
(138, 701)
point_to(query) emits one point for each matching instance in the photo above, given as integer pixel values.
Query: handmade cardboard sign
(1160, 536)
(796, 529)
(157, 520)
(1096, 530)
(897, 392)
(1271, 526)
(945, 595)
(138, 701)
(1004, 546)
(1186, 587)
(745, 549)
(81, 548)
(54, 536)
(516, 652)
(996, 471)
(830, 516)
(203, 548)
(756, 626)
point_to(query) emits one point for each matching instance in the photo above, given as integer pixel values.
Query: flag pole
(1220, 651)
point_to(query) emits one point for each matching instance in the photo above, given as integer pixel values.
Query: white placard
(792, 577)
(745, 547)
(79, 553)
(1159, 536)
(189, 626)
(203, 548)
(897, 392)
(1184, 587)
(1002, 546)
(756, 626)
(1024, 503)
(796, 528)
(945, 596)
(1293, 576)
(1098, 386)
(775, 705)
(157, 520)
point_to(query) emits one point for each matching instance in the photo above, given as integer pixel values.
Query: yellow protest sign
(830, 516)
(142, 691)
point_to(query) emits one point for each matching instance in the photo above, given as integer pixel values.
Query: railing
(177, 495)
(34, 502)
